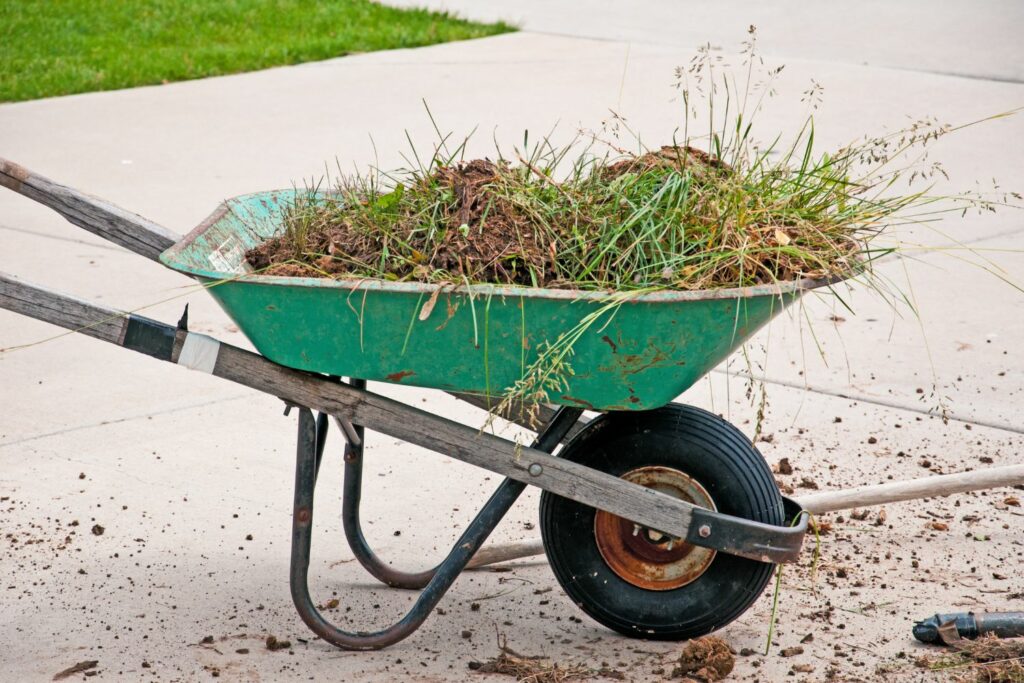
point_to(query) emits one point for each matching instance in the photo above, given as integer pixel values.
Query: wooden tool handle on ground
(827, 501)
(892, 492)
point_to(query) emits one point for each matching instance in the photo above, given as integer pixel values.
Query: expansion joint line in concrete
(888, 67)
(130, 418)
(873, 401)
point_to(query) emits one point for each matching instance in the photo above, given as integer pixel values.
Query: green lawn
(58, 47)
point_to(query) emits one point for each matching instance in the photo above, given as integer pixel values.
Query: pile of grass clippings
(988, 659)
(674, 218)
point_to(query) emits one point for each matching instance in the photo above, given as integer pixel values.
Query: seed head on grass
(714, 209)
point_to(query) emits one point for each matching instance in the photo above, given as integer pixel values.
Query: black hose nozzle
(970, 625)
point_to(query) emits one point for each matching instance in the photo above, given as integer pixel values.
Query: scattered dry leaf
(821, 526)
(76, 668)
(428, 307)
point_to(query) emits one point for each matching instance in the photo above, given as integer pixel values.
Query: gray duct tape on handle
(199, 352)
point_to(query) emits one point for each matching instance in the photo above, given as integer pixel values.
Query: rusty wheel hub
(647, 558)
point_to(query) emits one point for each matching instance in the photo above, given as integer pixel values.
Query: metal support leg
(321, 440)
(446, 572)
(351, 497)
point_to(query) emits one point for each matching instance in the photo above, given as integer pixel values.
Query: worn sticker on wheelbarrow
(228, 256)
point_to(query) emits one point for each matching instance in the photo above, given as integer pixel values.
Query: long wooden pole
(826, 501)
(913, 489)
(112, 223)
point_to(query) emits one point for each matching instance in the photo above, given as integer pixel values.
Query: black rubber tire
(720, 458)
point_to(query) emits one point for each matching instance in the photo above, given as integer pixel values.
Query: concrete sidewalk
(180, 468)
(952, 37)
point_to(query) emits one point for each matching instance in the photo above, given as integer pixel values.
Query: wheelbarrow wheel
(638, 581)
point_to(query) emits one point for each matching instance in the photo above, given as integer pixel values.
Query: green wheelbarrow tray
(479, 339)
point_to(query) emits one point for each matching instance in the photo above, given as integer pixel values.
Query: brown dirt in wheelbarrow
(496, 235)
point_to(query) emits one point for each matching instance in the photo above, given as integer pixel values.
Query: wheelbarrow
(660, 520)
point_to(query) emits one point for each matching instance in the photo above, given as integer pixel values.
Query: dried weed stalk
(529, 669)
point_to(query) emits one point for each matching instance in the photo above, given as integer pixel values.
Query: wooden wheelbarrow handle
(146, 238)
(112, 223)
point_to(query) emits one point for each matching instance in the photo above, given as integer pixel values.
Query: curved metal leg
(351, 497)
(321, 440)
(446, 573)
(354, 533)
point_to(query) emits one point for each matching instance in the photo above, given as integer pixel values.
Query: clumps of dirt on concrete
(273, 644)
(988, 659)
(705, 659)
(784, 467)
